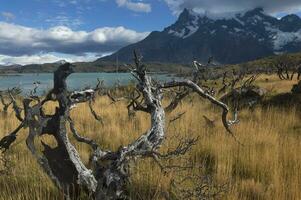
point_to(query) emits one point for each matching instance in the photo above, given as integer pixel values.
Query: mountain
(233, 39)
(60, 62)
(10, 65)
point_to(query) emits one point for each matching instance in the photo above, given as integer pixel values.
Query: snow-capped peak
(242, 37)
(60, 62)
(253, 23)
(190, 21)
(187, 24)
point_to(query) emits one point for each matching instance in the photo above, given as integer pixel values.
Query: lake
(75, 81)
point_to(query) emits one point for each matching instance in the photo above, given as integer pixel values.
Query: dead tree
(109, 174)
(286, 68)
(233, 81)
(4, 103)
(203, 187)
(6, 98)
(240, 91)
(199, 76)
(296, 89)
(299, 72)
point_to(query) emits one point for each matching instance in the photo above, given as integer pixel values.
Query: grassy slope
(268, 61)
(267, 167)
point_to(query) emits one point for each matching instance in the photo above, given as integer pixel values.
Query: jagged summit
(234, 38)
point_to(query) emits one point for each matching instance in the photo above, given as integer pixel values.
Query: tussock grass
(268, 166)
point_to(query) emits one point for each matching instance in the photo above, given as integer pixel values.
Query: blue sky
(86, 14)
(36, 31)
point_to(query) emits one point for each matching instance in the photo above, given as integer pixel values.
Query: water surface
(75, 81)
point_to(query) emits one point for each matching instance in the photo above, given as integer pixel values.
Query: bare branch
(202, 93)
(6, 141)
(4, 103)
(79, 138)
(182, 148)
(178, 116)
(16, 108)
(114, 99)
(175, 102)
(95, 115)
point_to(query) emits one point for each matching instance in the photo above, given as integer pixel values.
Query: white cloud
(8, 16)
(134, 6)
(16, 40)
(222, 6)
(46, 58)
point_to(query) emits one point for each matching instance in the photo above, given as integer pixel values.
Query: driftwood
(109, 173)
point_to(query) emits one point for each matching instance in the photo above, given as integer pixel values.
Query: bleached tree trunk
(107, 178)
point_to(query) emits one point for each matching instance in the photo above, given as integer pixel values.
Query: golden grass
(268, 166)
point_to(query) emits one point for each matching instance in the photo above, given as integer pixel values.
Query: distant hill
(93, 67)
(267, 62)
(181, 69)
(243, 37)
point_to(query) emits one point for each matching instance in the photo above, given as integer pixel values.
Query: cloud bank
(46, 58)
(225, 6)
(16, 40)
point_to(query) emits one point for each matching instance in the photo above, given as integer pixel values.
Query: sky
(43, 31)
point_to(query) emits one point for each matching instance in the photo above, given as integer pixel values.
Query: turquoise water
(75, 81)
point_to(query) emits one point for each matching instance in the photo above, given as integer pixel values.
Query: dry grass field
(267, 166)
